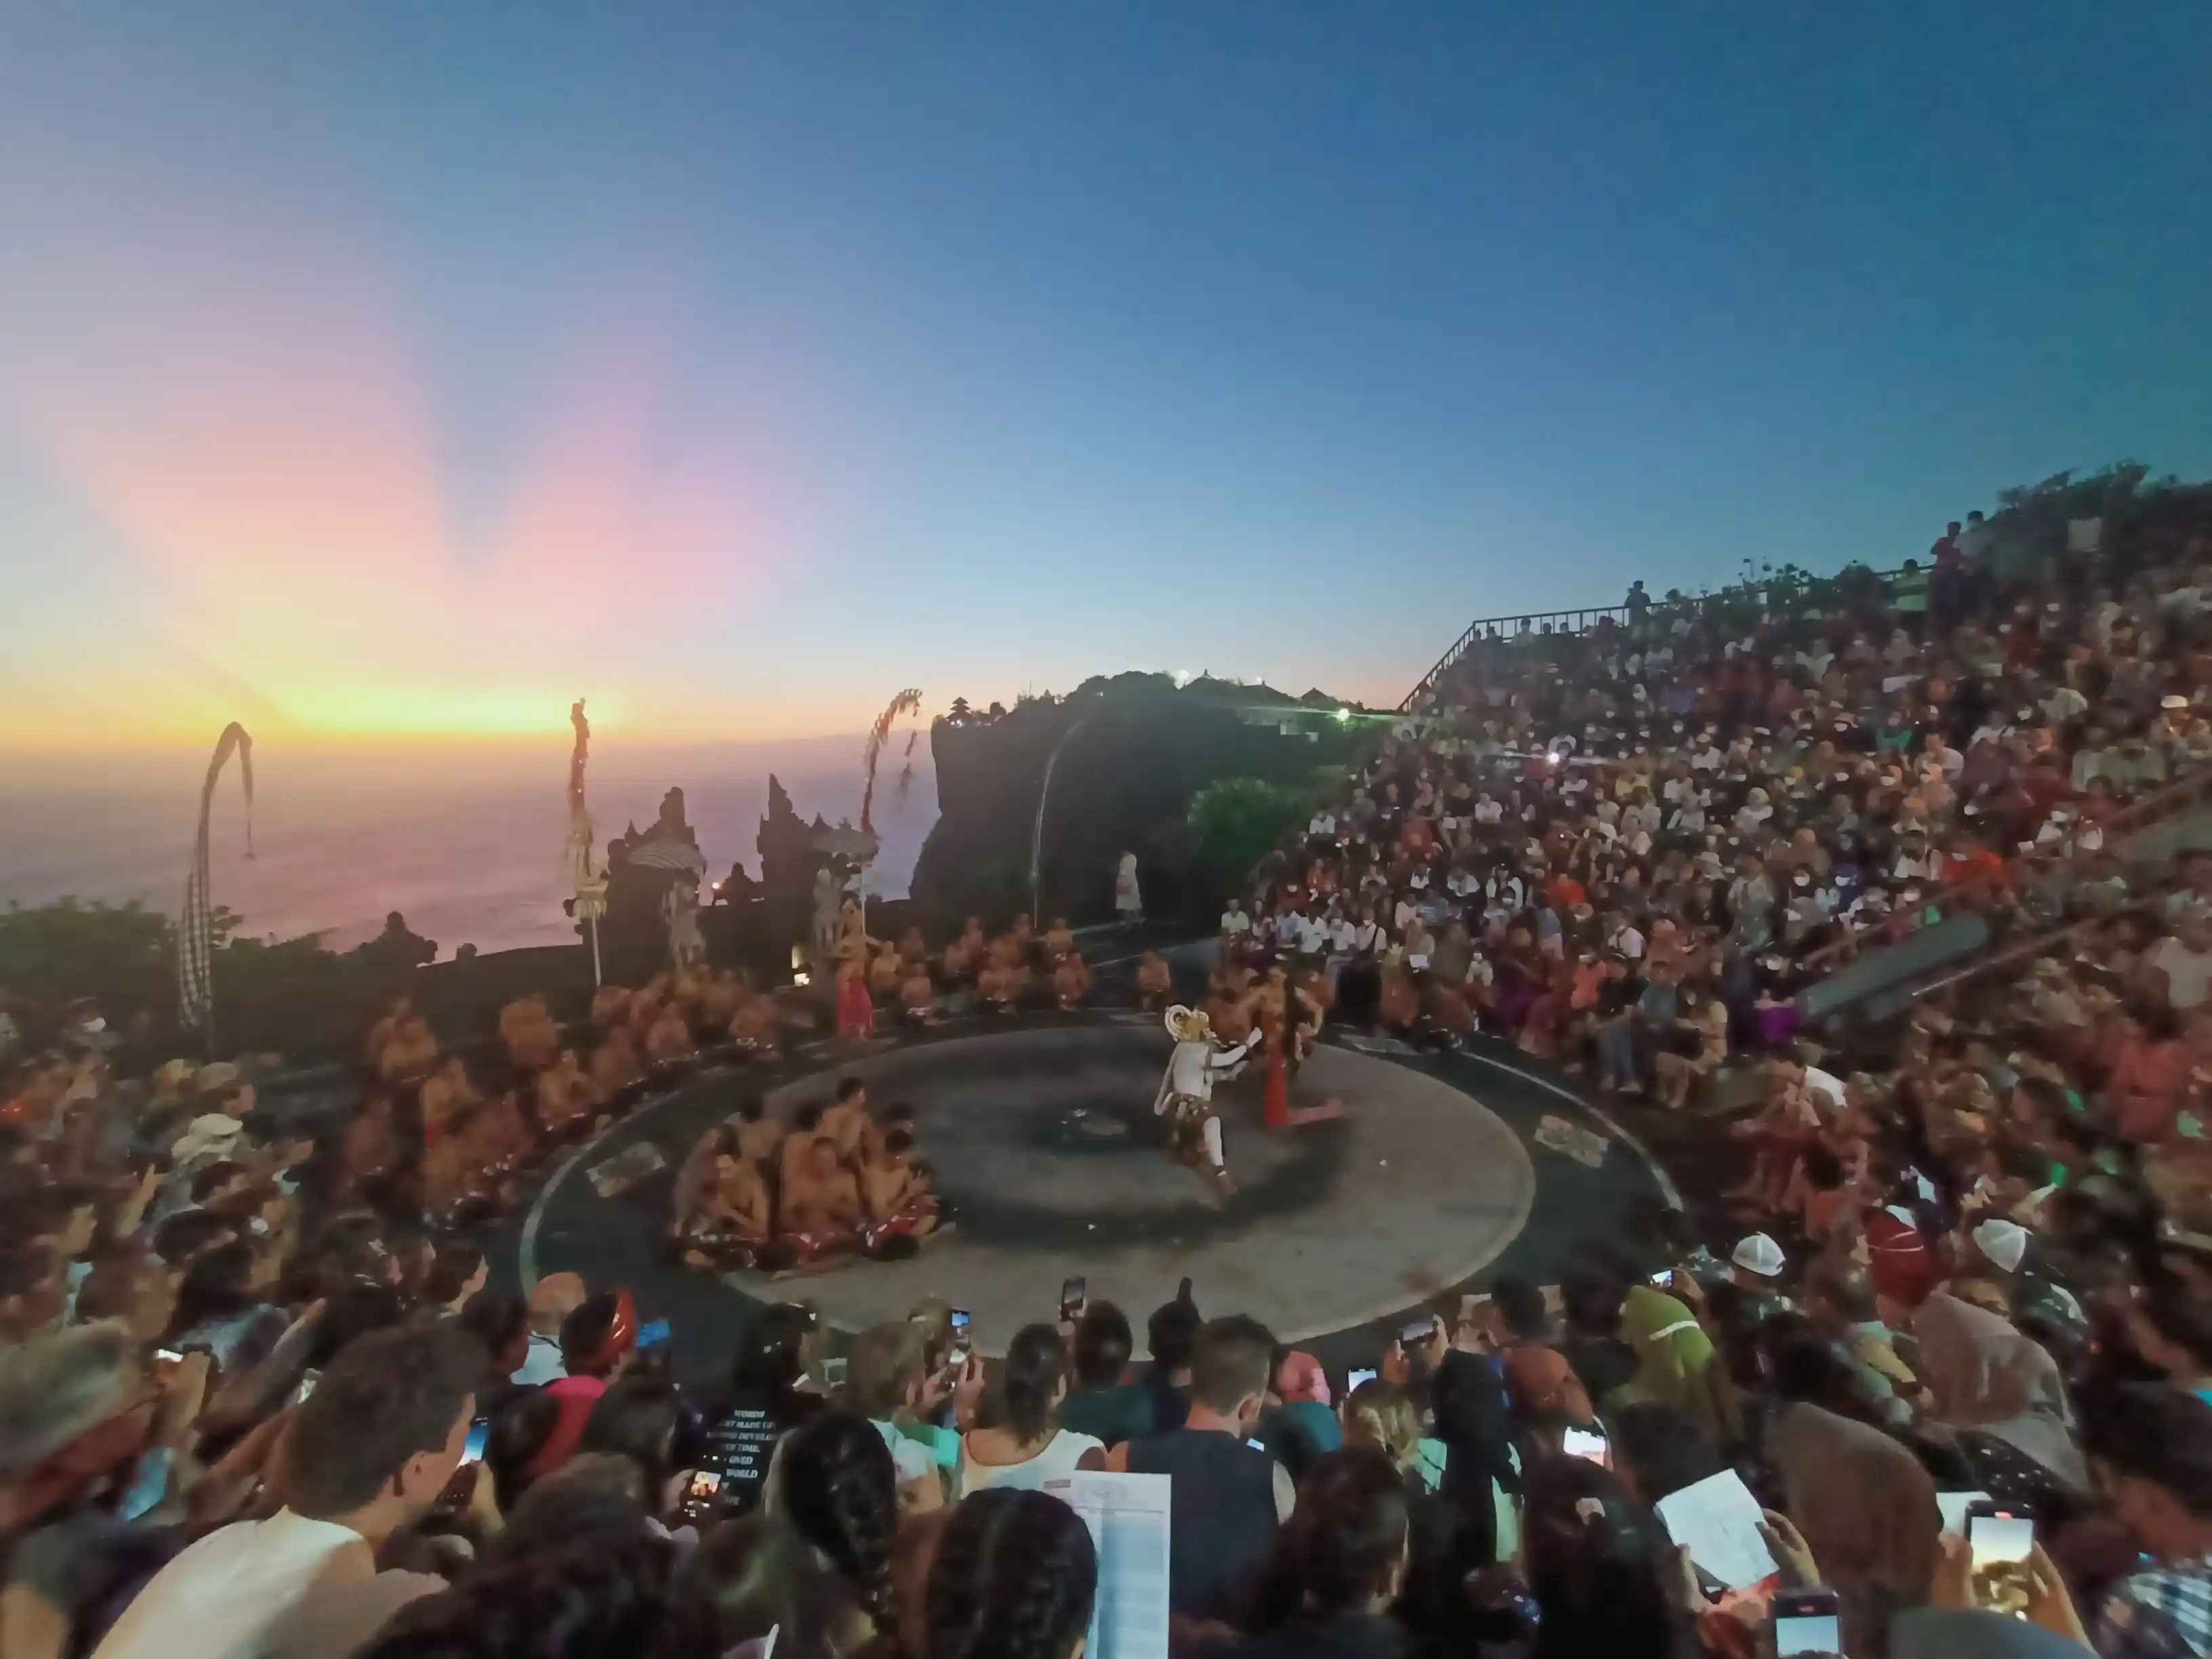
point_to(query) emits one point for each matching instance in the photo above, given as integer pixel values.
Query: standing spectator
(1300, 1427)
(587, 1599)
(501, 1325)
(2181, 963)
(1379, 1417)
(1599, 1566)
(1338, 1564)
(2153, 1449)
(1030, 1447)
(1103, 1402)
(765, 1400)
(836, 1487)
(1867, 1510)
(890, 1384)
(552, 1299)
(1016, 1578)
(597, 1342)
(1170, 1335)
(367, 1454)
(1227, 1497)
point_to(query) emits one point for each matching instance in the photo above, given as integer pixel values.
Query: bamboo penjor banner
(196, 927)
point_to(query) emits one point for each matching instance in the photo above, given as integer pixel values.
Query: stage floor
(1442, 1172)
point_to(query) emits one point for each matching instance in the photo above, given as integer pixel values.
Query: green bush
(1235, 822)
(121, 955)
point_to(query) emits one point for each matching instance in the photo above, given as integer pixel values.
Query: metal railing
(1535, 624)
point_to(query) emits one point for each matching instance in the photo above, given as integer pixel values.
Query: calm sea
(467, 848)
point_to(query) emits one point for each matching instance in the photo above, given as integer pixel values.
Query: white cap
(1758, 1255)
(2003, 1242)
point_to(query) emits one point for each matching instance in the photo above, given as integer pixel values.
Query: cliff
(1132, 751)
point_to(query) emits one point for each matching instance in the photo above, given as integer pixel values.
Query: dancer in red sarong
(1289, 1021)
(856, 1007)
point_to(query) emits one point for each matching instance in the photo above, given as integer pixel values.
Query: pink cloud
(250, 412)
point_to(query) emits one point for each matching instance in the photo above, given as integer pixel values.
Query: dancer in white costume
(1186, 1093)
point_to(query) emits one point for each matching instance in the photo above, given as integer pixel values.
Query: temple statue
(679, 909)
(643, 868)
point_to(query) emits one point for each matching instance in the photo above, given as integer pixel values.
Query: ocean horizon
(466, 846)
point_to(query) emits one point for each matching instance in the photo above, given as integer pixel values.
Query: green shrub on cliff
(1234, 823)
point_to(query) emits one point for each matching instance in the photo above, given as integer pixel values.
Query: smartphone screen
(1664, 1279)
(1998, 1536)
(652, 1335)
(1354, 1379)
(1999, 1542)
(1417, 1330)
(833, 1371)
(1588, 1443)
(699, 1494)
(472, 1447)
(1473, 1304)
(960, 1348)
(1805, 1622)
(1073, 1294)
(307, 1381)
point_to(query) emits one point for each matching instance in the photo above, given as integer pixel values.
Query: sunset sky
(378, 372)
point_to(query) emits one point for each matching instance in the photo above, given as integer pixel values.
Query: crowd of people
(835, 1181)
(1628, 849)
(259, 1396)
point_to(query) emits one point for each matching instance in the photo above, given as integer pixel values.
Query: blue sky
(400, 369)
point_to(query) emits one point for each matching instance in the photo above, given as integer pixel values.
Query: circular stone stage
(1042, 1137)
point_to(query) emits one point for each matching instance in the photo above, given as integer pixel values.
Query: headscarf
(1676, 1365)
(1868, 1510)
(1985, 1374)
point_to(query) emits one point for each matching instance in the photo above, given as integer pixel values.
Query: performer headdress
(1189, 1024)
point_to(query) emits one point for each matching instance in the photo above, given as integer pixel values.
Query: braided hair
(1015, 1577)
(839, 1491)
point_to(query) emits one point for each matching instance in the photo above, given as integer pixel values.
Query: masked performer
(1186, 1094)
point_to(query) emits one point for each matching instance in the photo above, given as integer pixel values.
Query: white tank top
(1055, 1462)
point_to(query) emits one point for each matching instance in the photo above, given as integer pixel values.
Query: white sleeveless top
(1055, 1462)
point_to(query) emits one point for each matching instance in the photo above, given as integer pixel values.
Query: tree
(122, 955)
(1235, 822)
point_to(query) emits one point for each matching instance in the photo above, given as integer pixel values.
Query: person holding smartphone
(1029, 1446)
(2152, 1449)
(1103, 1401)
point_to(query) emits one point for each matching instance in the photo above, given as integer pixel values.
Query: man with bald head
(551, 1301)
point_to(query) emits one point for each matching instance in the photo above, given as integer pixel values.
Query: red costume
(856, 1009)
